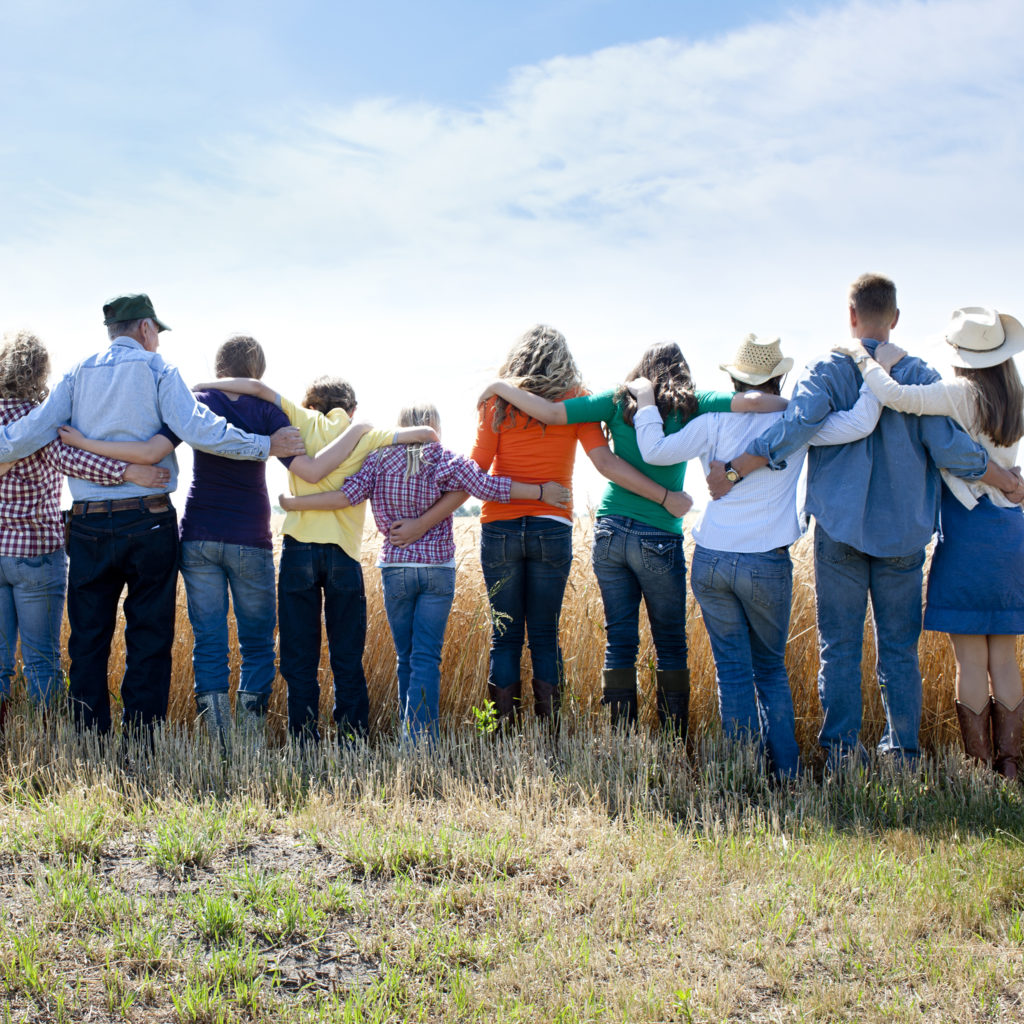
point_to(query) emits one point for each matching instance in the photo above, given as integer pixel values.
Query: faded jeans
(210, 569)
(634, 562)
(32, 606)
(745, 601)
(417, 600)
(844, 577)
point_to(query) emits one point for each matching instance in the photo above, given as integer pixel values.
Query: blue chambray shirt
(881, 494)
(127, 394)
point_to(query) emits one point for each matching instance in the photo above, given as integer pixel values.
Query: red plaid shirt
(30, 522)
(395, 496)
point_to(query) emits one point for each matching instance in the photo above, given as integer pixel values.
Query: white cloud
(695, 190)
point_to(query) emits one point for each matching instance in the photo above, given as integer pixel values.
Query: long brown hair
(664, 366)
(1000, 397)
(539, 362)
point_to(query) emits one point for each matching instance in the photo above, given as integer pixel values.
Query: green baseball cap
(131, 307)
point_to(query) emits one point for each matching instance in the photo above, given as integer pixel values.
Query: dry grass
(599, 879)
(464, 666)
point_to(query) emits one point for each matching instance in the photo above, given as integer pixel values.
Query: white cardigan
(954, 398)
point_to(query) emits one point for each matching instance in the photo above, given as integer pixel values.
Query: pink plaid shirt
(30, 523)
(395, 496)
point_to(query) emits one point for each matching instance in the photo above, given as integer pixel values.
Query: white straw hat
(982, 337)
(758, 361)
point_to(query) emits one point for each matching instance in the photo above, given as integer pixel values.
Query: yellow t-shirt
(343, 526)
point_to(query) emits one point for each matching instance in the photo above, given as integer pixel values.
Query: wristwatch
(861, 358)
(731, 475)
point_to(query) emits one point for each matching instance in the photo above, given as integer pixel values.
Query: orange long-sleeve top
(530, 452)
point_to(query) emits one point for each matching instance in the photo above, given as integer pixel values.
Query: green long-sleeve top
(616, 500)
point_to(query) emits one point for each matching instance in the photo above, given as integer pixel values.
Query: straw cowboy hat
(982, 337)
(758, 361)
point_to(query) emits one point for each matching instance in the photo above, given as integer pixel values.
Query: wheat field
(464, 664)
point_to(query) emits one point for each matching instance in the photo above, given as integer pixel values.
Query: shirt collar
(870, 344)
(127, 342)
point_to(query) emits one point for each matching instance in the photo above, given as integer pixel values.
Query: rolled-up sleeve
(456, 473)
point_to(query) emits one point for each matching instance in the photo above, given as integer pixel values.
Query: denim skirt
(976, 582)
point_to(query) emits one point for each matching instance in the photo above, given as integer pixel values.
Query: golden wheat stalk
(464, 662)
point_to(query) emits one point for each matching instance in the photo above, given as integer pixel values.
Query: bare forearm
(324, 501)
(622, 473)
(533, 405)
(240, 386)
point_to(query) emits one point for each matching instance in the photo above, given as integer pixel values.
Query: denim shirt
(880, 495)
(127, 394)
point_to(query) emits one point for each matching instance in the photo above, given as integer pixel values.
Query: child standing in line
(320, 573)
(419, 578)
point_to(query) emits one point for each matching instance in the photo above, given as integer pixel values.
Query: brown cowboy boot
(619, 693)
(547, 703)
(506, 700)
(976, 731)
(674, 700)
(1006, 737)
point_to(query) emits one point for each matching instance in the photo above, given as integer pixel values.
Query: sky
(393, 192)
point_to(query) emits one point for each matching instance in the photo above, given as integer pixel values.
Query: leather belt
(148, 503)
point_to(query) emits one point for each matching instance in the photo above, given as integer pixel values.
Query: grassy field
(598, 877)
(601, 878)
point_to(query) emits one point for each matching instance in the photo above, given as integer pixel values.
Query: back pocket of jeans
(659, 556)
(771, 588)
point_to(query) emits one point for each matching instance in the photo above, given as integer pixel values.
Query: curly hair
(539, 362)
(327, 393)
(664, 366)
(240, 356)
(24, 367)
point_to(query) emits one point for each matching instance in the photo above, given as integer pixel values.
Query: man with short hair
(126, 535)
(876, 506)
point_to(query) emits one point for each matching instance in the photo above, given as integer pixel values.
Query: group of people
(895, 454)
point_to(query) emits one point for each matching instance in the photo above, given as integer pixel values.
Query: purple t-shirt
(228, 498)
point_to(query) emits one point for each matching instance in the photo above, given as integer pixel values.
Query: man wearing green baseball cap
(125, 535)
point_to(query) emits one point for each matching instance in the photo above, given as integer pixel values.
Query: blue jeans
(317, 579)
(632, 561)
(210, 568)
(32, 605)
(745, 600)
(526, 564)
(109, 550)
(417, 600)
(844, 577)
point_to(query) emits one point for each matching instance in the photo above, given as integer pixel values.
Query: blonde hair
(539, 362)
(422, 414)
(24, 367)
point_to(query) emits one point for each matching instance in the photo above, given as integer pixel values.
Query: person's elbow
(306, 469)
(602, 458)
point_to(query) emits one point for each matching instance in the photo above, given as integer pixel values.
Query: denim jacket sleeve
(812, 402)
(201, 427)
(39, 427)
